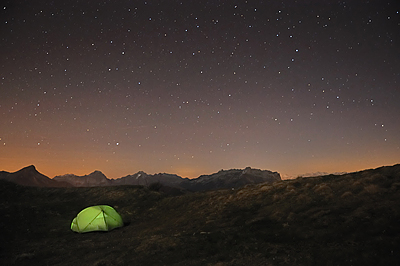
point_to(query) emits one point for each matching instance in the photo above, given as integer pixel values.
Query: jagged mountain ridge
(233, 178)
(29, 176)
(94, 179)
(141, 178)
(144, 179)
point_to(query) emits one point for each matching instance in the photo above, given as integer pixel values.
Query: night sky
(193, 87)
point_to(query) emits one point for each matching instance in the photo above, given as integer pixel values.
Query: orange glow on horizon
(51, 169)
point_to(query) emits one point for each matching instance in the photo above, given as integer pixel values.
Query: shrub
(347, 194)
(373, 189)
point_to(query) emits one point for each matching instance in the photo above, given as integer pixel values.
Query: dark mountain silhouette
(95, 179)
(233, 178)
(141, 178)
(350, 219)
(29, 176)
(320, 174)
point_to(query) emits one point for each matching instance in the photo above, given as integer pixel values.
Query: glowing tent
(96, 218)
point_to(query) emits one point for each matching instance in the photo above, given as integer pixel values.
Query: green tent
(96, 218)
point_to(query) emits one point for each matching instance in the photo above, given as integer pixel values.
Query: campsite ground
(352, 219)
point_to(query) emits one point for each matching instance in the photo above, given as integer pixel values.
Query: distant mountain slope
(141, 178)
(29, 176)
(95, 179)
(233, 178)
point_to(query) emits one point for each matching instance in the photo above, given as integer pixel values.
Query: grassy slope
(333, 220)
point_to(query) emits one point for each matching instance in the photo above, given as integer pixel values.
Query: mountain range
(233, 178)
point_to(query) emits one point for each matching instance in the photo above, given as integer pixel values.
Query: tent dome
(96, 218)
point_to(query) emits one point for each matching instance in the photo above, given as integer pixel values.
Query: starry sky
(193, 87)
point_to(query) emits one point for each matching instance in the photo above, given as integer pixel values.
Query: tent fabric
(96, 218)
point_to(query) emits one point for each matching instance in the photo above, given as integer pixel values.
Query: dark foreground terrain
(352, 219)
